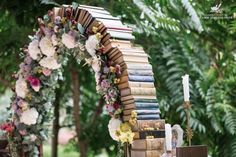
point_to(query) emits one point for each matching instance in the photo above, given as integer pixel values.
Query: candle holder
(190, 151)
(189, 131)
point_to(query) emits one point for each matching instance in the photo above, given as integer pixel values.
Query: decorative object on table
(189, 151)
(123, 76)
(177, 138)
(174, 138)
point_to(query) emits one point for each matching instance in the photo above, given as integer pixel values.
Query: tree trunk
(56, 125)
(76, 110)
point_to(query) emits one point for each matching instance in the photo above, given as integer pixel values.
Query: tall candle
(185, 82)
(168, 134)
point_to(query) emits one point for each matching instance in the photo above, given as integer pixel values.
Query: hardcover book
(136, 78)
(149, 134)
(138, 66)
(116, 44)
(129, 58)
(137, 91)
(140, 97)
(147, 111)
(141, 105)
(149, 144)
(146, 153)
(143, 117)
(143, 125)
(117, 35)
(130, 84)
(124, 53)
(138, 100)
(133, 49)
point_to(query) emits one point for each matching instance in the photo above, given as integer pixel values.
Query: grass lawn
(61, 152)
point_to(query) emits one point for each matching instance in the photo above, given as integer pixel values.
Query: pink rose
(22, 132)
(47, 72)
(34, 82)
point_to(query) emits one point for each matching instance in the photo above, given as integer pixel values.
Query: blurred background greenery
(179, 40)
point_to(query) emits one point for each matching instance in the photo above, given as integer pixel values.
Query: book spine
(118, 28)
(147, 153)
(136, 84)
(140, 72)
(120, 35)
(145, 100)
(149, 144)
(141, 78)
(138, 66)
(140, 105)
(138, 91)
(148, 117)
(146, 134)
(141, 125)
(144, 111)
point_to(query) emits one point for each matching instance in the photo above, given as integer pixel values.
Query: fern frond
(157, 17)
(230, 122)
(193, 15)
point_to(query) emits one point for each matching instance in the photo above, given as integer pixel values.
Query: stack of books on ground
(148, 147)
(149, 138)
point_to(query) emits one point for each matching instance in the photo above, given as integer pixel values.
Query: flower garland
(37, 78)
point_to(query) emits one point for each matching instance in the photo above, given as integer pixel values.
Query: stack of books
(136, 84)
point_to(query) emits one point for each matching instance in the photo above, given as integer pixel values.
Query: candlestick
(189, 131)
(185, 82)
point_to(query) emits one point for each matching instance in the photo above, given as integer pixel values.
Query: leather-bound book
(142, 125)
(149, 134)
(146, 153)
(149, 144)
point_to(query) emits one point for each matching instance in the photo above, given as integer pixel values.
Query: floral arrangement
(56, 39)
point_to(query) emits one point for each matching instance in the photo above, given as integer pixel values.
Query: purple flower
(107, 97)
(19, 112)
(28, 60)
(112, 93)
(106, 70)
(109, 108)
(105, 84)
(57, 20)
(14, 107)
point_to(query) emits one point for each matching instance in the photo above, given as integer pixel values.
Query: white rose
(29, 117)
(46, 47)
(97, 77)
(96, 64)
(113, 125)
(54, 40)
(33, 137)
(33, 49)
(50, 63)
(21, 88)
(91, 44)
(68, 41)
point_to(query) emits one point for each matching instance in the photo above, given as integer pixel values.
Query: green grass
(61, 152)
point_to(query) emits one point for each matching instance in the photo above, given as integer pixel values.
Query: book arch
(123, 75)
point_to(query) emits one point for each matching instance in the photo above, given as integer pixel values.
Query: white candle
(168, 134)
(186, 87)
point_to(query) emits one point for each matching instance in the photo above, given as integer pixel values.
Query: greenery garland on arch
(36, 81)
